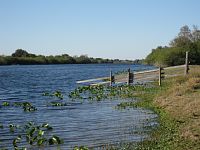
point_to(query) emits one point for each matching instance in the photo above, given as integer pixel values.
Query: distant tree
(184, 37)
(195, 34)
(185, 32)
(22, 57)
(65, 55)
(20, 53)
(2, 60)
(83, 59)
(186, 40)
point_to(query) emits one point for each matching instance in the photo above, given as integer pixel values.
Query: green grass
(166, 134)
(176, 102)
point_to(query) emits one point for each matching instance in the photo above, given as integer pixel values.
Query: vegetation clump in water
(57, 94)
(34, 135)
(101, 92)
(26, 106)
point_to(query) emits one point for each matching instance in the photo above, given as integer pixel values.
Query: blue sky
(124, 29)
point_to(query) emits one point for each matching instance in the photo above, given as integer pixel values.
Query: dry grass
(182, 102)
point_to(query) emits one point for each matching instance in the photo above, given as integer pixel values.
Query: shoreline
(176, 103)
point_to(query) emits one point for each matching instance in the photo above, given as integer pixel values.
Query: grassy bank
(177, 103)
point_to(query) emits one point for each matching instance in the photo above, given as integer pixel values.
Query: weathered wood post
(111, 78)
(128, 76)
(131, 77)
(186, 63)
(159, 77)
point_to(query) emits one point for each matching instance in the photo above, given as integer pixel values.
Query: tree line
(174, 54)
(22, 57)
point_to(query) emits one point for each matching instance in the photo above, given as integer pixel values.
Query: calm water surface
(92, 124)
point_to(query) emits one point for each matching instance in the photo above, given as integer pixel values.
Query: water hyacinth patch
(57, 94)
(47, 126)
(101, 92)
(29, 108)
(55, 140)
(13, 127)
(5, 104)
(80, 148)
(34, 135)
(17, 140)
(26, 106)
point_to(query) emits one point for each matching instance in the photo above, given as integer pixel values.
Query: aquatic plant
(33, 134)
(5, 104)
(55, 140)
(80, 148)
(17, 140)
(47, 126)
(57, 94)
(101, 92)
(27, 106)
(57, 104)
(12, 127)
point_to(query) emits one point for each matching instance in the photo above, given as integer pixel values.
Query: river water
(80, 123)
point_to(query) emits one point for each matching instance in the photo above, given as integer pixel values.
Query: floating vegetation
(57, 104)
(5, 104)
(55, 140)
(17, 140)
(26, 106)
(34, 135)
(101, 92)
(29, 108)
(80, 148)
(124, 105)
(13, 127)
(57, 94)
(39, 136)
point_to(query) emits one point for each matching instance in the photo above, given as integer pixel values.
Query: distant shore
(22, 57)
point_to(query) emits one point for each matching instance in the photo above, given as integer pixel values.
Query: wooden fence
(141, 76)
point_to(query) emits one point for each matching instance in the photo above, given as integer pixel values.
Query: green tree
(20, 53)
(83, 59)
(187, 40)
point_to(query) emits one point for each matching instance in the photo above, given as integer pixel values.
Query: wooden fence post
(159, 77)
(128, 77)
(111, 78)
(186, 63)
(131, 77)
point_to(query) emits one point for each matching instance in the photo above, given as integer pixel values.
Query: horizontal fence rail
(135, 77)
(92, 80)
(141, 76)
